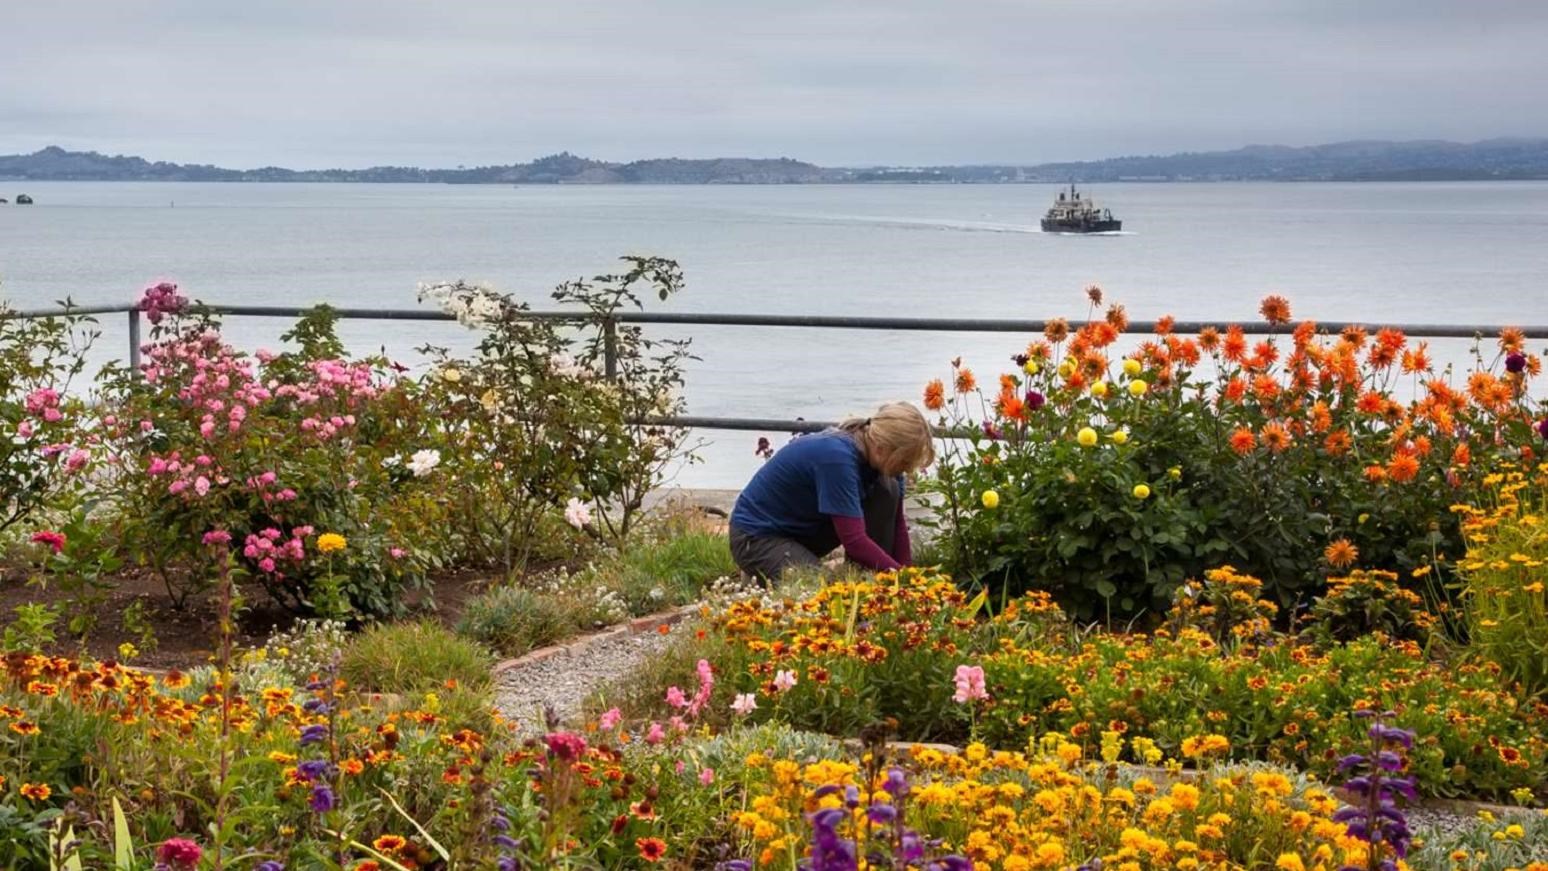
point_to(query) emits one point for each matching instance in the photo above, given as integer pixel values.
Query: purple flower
(315, 706)
(322, 799)
(881, 813)
(314, 733)
(1542, 427)
(1035, 400)
(506, 863)
(897, 783)
(1515, 362)
(506, 841)
(992, 431)
(270, 865)
(734, 865)
(314, 769)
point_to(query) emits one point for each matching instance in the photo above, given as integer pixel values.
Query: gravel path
(564, 681)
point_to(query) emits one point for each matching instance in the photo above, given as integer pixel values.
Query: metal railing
(610, 326)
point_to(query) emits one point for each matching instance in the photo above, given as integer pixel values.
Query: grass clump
(514, 620)
(414, 657)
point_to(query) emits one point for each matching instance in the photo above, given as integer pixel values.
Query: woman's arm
(902, 548)
(859, 547)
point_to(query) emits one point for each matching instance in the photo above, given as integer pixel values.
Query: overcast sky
(352, 83)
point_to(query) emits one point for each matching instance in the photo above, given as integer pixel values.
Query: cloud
(360, 82)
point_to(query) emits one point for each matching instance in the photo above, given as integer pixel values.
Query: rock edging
(580, 643)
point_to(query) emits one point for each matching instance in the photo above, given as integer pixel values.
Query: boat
(23, 200)
(1072, 213)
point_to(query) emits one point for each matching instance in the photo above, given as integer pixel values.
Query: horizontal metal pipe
(978, 325)
(72, 310)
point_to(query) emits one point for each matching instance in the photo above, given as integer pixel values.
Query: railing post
(134, 340)
(610, 348)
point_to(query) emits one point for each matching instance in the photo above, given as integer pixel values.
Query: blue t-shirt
(804, 486)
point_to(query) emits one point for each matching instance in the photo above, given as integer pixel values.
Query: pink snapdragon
(970, 684)
(609, 720)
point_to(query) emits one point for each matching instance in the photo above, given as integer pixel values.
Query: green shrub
(413, 657)
(1364, 602)
(513, 619)
(1110, 483)
(664, 570)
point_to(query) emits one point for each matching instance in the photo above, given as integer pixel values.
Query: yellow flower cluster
(1051, 808)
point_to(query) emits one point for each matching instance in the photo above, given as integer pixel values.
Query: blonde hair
(897, 436)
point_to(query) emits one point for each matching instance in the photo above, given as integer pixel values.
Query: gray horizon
(359, 83)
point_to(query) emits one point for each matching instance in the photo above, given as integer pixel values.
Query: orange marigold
(1512, 339)
(1354, 335)
(1372, 402)
(651, 849)
(1234, 347)
(1389, 343)
(390, 843)
(1242, 440)
(1338, 442)
(1165, 324)
(1462, 456)
(935, 395)
(1403, 467)
(1305, 331)
(965, 380)
(1322, 418)
(1275, 437)
(1275, 309)
(1417, 359)
(1209, 339)
(1117, 317)
(1341, 553)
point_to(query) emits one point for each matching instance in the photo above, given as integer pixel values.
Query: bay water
(1466, 252)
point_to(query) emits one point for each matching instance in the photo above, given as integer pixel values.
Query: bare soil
(187, 638)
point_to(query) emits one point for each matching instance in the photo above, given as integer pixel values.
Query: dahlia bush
(1111, 481)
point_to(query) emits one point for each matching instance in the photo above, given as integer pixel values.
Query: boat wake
(1103, 233)
(917, 223)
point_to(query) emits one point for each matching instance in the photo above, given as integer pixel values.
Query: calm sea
(1432, 252)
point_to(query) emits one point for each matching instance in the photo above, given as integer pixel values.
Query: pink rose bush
(268, 450)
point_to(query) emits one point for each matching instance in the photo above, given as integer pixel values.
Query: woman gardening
(843, 486)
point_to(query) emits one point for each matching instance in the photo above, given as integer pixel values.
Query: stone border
(580, 643)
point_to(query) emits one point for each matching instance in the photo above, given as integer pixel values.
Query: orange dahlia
(935, 395)
(1341, 553)
(1275, 309)
(1242, 440)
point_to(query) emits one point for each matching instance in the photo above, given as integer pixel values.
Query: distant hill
(1422, 160)
(56, 164)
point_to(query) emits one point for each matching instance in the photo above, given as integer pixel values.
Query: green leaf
(123, 845)
(445, 856)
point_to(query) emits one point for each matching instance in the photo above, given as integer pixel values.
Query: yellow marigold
(1289, 862)
(331, 542)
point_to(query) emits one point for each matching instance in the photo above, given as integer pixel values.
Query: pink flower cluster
(44, 403)
(55, 540)
(334, 382)
(268, 551)
(191, 479)
(690, 707)
(180, 853)
(160, 300)
(970, 684)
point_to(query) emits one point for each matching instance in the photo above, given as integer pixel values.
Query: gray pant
(767, 557)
